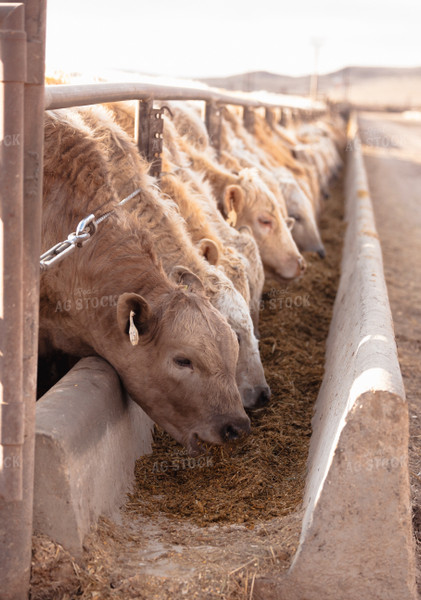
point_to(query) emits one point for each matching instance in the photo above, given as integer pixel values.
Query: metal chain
(84, 232)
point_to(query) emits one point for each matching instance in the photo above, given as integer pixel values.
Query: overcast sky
(201, 38)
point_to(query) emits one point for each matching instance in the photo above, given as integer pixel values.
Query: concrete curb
(89, 434)
(356, 541)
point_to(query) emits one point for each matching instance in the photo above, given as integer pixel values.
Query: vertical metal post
(22, 117)
(13, 75)
(142, 126)
(13, 55)
(295, 116)
(270, 116)
(248, 118)
(213, 124)
(35, 27)
(285, 117)
(156, 140)
(317, 44)
(149, 134)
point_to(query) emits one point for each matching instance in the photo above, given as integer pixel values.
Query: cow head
(249, 374)
(251, 203)
(305, 231)
(177, 357)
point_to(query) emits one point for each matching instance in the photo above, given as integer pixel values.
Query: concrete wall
(356, 541)
(89, 434)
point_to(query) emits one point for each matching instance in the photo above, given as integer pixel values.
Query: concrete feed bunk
(88, 435)
(356, 539)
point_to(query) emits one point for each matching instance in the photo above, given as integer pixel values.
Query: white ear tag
(232, 218)
(133, 333)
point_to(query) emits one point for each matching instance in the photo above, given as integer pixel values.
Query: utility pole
(317, 43)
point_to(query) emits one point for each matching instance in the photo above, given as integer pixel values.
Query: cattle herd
(168, 289)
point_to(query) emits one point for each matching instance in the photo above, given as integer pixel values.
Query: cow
(160, 215)
(305, 232)
(174, 352)
(199, 227)
(198, 206)
(283, 149)
(245, 200)
(242, 240)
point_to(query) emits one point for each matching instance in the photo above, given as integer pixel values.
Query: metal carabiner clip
(85, 229)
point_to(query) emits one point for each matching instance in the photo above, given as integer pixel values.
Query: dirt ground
(392, 151)
(207, 532)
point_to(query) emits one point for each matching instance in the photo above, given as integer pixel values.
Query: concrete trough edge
(356, 540)
(89, 434)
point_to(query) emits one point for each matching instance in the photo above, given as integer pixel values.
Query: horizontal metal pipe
(10, 15)
(62, 96)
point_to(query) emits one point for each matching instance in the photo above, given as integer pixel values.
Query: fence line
(62, 96)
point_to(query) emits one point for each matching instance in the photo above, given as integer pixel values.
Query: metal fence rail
(148, 126)
(62, 96)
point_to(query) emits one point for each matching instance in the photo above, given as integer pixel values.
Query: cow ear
(290, 222)
(133, 316)
(209, 250)
(183, 276)
(246, 229)
(233, 202)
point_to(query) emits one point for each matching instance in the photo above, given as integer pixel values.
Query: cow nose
(321, 252)
(234, 429)
(263, 397)
(256, 397)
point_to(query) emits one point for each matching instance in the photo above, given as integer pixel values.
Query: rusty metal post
(12, 54)
(13, 75)
(142, 126)
(213, 124)
(248, 118)
(20, 189)
(270, 117)
(149, 134)
(285, 117)
(296, 116)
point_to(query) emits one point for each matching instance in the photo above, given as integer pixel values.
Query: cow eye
(264, 221)
(183, 362)
(296, 217)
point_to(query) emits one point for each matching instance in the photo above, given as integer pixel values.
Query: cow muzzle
(256, 397)
(224, 429)
(233, 430)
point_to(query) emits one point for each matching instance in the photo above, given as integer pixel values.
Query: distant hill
(361, 85)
